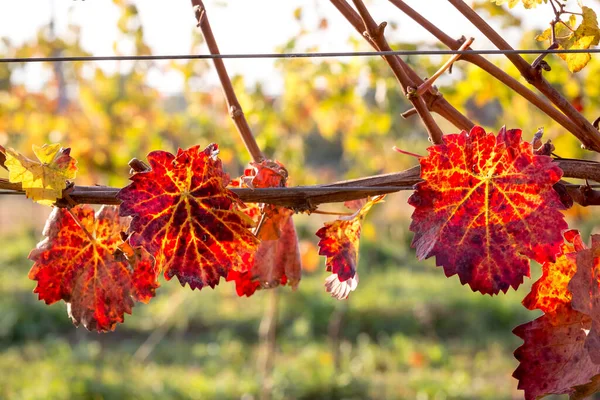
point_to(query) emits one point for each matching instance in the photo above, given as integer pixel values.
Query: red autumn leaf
(339, 243)
(486, 207)
(559, 355)
(277, 260)
(551, 290)
(98, 279)
(585, 287)
(245, 285)
(553, 358)
(184, 214)
(265, 174)
(355, 204)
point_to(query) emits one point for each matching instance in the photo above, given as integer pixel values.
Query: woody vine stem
(425, 99)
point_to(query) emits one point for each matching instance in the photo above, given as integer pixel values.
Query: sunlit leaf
(486, 207)
(585, 287)
(339, 243)
(277, 260)
(551, 290)
(184, 215)
(553, 359)
(43, 180)
(99, 279)
(568, 37)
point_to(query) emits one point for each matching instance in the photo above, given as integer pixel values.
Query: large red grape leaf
(585, 287)
(43, 179)
(277, 260)
(485, 207)
(184, 215)
(339, 243)
(100, 279)
(553, 358)
(551, 290)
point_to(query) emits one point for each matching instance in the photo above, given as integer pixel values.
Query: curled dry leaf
(277, 260)
(99, 279)
(485, 207)
(341, 290)
(184, 215)
(339, 243)
(43, 180)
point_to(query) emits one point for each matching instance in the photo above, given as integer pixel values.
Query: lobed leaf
(560, 350)
(587, 34)
(585, 287)
(185, 216)
(551, 290)
(485, 207)
(99, 279)
(553, 358)
(43, 180)
(339, 243)
(277, 260)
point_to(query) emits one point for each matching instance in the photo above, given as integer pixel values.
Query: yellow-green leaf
(45, 179)
(586, 35)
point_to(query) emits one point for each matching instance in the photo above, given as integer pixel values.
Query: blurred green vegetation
(408, 332)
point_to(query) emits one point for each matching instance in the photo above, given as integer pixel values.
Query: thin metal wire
(295, 55)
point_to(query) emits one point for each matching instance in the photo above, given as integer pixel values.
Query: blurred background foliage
(408, 332)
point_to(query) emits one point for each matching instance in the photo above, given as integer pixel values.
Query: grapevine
(485, 205)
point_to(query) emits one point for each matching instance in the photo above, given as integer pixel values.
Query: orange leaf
(245, 284)
(486, 207)
(265, 174)
(550, 291)
(277, 260)
(184, 214)
(339, 243)
(100, 279)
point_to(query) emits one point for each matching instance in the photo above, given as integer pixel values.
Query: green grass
(408, 332)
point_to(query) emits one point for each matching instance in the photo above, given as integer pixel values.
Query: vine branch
(541, 103)
(590, 137)
(435, 102)
(427, 85)
(235, 109)
(307, 198)
(375, 34)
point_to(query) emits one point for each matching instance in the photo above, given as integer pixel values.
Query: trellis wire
(295, 55)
